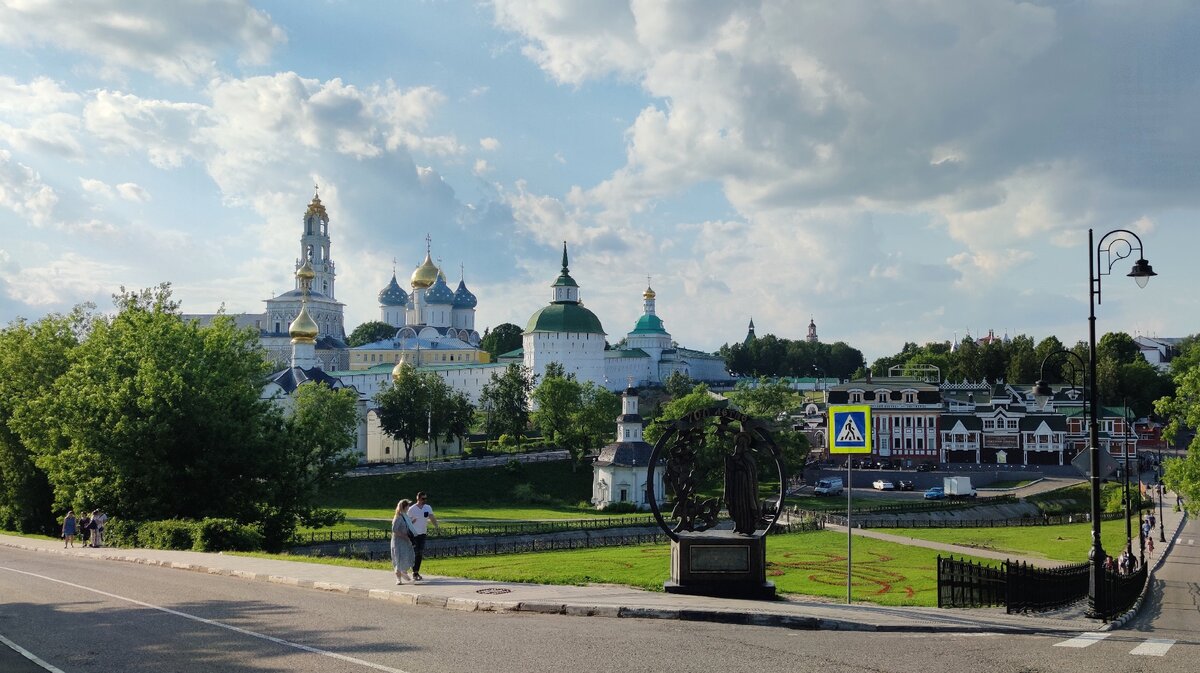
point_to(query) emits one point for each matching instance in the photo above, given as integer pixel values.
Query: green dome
(649, 324)
(564, 317)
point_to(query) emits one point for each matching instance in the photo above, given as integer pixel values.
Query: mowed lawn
(812, 564)
(1068, 543)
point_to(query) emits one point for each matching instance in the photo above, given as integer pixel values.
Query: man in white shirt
(420, 515)
(99, 518)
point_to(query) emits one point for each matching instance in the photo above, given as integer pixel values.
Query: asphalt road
(79, 614)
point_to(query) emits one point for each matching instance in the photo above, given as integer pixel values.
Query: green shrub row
(204, 535)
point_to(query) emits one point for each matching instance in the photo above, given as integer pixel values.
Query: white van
(831, 486)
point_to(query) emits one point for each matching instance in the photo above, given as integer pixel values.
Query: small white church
(619, 473)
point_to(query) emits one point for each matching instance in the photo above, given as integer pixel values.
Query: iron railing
(1014, 522)
(489, 529)
(1030, 588)
(969, 584)
(1021, 587)
(1120, 592)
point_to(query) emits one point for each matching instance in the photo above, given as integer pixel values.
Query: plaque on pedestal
(720, 563)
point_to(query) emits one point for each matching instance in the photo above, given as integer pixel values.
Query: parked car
(905, 485)
(926, 467)
(935, 493)
(883, 485)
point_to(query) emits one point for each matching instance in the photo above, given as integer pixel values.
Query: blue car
(935, 493)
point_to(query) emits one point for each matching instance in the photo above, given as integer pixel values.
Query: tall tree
(501, 339)
(1182, 410)
(404, 408)
(370, 332)
(575, 416)
(32, 357)
(506, 399)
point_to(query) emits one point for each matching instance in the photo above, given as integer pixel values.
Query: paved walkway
(599, 600)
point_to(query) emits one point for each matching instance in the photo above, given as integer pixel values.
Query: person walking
(68, 529)
(420, 515)
(86, 528)
(402, 545)
(99, 518)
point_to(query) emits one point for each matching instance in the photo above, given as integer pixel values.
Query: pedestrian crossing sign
(849, 429)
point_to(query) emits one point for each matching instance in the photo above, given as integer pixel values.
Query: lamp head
(1042, 394)
(1142, 271)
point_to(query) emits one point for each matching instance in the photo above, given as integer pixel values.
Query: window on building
(896, 443)
(920, 443)
(908, 443)
(856, 397)
(1012, 424)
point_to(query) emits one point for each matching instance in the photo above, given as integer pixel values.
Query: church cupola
(439, 293)
(812, 331)
(629, 423)
(303, 329)
(463, 297)
(392, 303)
(750, 333)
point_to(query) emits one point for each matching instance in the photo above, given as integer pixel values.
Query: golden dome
(649, 293)
(401, 368)
(303, 329)
(425, 275)
(306, 272)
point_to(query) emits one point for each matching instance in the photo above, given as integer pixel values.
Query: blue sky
(898, 171)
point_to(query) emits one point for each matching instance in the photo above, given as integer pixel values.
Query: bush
(525, 494)
(226, 535)
(621, 508)
(167, 534)
(121, 533)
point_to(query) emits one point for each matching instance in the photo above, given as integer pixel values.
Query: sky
(895, 171)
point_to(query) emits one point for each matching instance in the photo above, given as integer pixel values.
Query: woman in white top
(402, 549)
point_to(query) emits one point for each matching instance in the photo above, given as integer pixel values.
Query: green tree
(155, 418)
(1022, 363)
(452, 413)
(505, 397)
(575, 416)
(370, 332)
(1182, 410)
(503, 338)
(1120, 347)
(677, 383)
(699, 398)
(316, 448)
(403, 408)
(32, 357)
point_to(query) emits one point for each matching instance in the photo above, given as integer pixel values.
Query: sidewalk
(601, 600)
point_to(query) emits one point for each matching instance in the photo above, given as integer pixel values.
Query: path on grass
(948, 548)
(457, 463)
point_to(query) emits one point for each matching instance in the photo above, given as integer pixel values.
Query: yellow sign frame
(833, 428)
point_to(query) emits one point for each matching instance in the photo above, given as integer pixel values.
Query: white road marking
(30, 655)
(1154, 647)
(1084, 639)
(212, 622)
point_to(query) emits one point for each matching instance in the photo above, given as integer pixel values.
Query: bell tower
(314, 248)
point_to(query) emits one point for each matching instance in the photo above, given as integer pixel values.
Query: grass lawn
(799, 563)
(1067, 543)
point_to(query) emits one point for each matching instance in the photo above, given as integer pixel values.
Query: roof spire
(428, 242)
(565, 269)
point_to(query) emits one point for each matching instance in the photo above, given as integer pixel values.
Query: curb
(787, 621)
(1129, 614)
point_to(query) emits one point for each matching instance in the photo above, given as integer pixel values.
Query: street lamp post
(1162, 494)
(1122, 246)
(1128, 502)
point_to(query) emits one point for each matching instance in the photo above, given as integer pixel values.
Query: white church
(435, 332)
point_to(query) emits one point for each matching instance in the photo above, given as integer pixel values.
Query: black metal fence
(968, 584)
(912, 507)
(1120, 592)
(465, 530)
(1029, 588)
(1021, 587)
(1015, 522)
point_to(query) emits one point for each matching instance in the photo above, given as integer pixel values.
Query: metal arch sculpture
(680, 445)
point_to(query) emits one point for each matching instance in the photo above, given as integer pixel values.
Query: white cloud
(481, 167)
(23, 192)
(489, 144)
(133, 192)
(39, 117)
(179, 40)
(97, 187)
(62, 280)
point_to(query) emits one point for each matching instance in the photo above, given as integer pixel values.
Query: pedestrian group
(410, 524)
(90, 528)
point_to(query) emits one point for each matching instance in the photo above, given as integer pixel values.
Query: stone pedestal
(720, 563)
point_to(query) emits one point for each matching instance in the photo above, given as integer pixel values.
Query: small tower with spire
(750, 334)
(812, 331)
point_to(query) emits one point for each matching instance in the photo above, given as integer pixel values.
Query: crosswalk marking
(1084, 639)
(1154, 647)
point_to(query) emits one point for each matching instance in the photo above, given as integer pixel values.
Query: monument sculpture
(711, 554)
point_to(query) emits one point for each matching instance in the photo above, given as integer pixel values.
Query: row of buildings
(915, 421)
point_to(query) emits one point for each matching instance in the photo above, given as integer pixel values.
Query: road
(79, 614)
(1172, 609)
